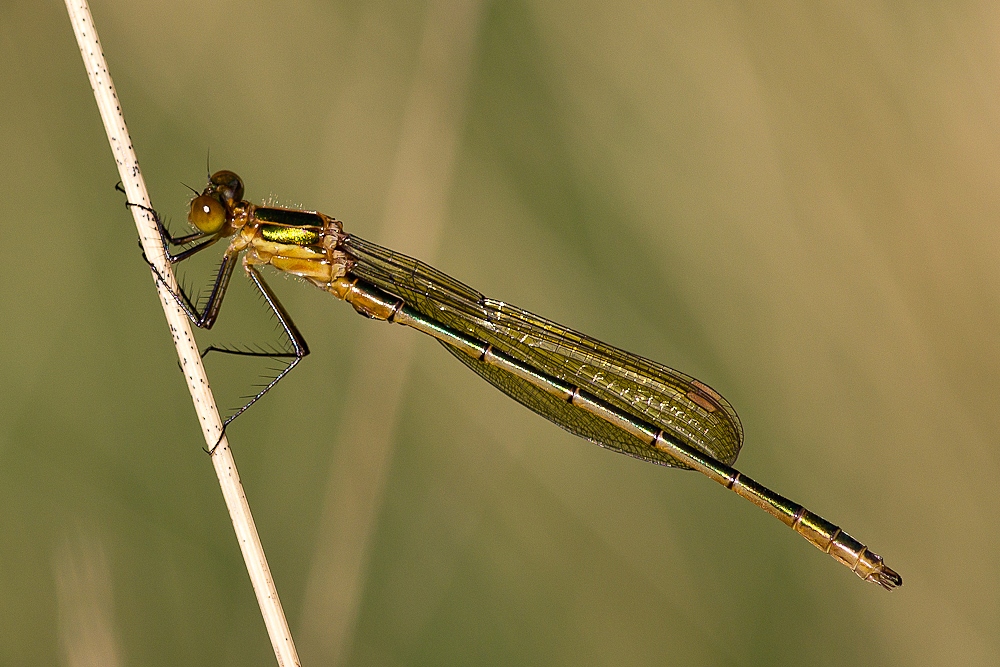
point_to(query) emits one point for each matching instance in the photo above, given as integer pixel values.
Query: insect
(611, 397)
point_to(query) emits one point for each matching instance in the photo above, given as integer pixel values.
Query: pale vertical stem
(180, 328)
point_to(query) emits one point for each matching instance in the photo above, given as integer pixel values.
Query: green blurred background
(795, 204)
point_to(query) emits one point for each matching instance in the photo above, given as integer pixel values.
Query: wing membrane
(652, 392)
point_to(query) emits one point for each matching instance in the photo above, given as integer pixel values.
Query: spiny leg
(208, 316)
(298, 342)
(165, 235)
(206, 319)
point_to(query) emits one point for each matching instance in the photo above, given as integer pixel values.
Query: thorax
(302, 243)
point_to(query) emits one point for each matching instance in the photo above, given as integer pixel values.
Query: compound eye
(228, 185)
(207, 214)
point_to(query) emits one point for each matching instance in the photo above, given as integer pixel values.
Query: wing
(652, 392)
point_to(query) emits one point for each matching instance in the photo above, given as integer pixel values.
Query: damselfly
(613, 398)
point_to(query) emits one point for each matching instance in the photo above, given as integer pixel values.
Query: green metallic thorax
(292, 227)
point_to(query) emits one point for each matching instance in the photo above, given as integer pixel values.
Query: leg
(165, 235)
(299, 346)
(205, 319)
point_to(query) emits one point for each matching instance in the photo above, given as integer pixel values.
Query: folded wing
(659, 395)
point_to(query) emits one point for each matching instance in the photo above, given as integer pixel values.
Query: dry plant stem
(180, 328)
